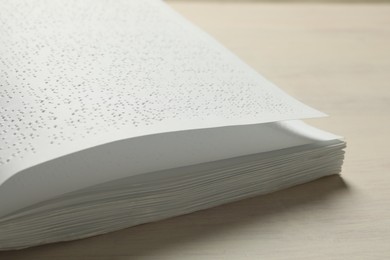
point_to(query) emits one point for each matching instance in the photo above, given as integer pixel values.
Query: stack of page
(117, 113)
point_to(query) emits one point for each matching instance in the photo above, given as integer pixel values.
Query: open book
(117, 113)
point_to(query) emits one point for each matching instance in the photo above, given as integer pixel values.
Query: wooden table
(335, 57)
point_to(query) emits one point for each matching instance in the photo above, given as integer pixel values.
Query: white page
(77, 74)
(153, 153)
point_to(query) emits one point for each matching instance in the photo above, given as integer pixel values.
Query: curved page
(78, 74)
(154, 153)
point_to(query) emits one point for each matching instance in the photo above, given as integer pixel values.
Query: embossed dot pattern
(72, 69)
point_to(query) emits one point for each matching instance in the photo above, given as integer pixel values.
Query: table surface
(334, 57)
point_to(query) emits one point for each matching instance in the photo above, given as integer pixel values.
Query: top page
(76, 74)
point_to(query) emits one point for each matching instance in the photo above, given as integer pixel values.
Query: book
(118, 113)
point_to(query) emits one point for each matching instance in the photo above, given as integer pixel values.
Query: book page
(152, 154)
(77, 74)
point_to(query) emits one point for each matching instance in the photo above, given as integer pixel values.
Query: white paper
(77, 74)
(153, 153)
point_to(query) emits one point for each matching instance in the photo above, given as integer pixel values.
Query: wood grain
(335, 57)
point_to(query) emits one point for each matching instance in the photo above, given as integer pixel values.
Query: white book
(117, 113)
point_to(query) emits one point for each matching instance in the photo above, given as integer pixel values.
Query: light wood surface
(335, 57)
